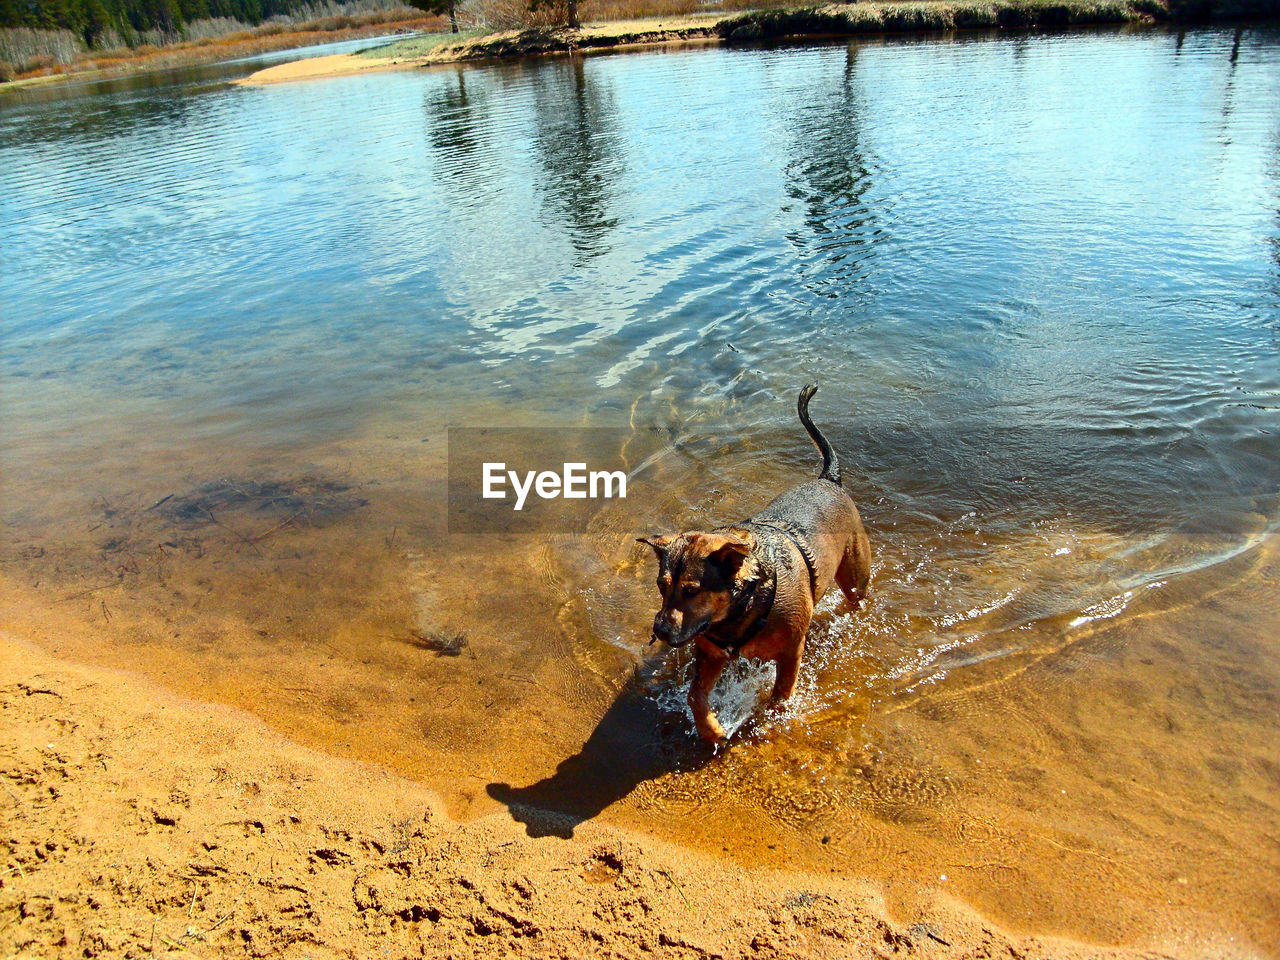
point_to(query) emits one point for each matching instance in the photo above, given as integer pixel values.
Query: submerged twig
(285, 522)
(235, 533)
(85, 593)
(516, 676)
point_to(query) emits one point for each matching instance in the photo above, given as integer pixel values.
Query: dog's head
(698, 575)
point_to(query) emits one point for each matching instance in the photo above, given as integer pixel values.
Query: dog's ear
(659, 544)
(726, 550)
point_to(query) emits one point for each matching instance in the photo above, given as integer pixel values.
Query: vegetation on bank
(104, 24)
(927, 16)
(854, 18)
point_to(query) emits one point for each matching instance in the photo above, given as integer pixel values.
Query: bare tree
(438, 7)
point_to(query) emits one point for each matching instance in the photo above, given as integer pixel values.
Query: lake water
(1038, 279)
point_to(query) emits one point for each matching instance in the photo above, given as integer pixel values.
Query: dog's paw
(712, 733)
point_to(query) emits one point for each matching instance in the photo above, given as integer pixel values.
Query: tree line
(94, 19)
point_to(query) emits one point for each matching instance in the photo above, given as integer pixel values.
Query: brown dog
(749, 590)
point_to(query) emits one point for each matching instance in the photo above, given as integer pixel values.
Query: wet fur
(708, 580)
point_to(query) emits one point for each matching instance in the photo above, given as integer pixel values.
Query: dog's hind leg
(784, 683)
(854, 572)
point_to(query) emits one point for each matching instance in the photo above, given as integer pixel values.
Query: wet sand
(140, 823)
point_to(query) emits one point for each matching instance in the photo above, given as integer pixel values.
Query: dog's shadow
(636, 740)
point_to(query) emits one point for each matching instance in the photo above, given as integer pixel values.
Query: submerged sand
(139, 823)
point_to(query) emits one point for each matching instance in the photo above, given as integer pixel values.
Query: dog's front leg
(706, 670)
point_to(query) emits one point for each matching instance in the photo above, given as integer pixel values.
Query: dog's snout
(660, 630)
(666, 627)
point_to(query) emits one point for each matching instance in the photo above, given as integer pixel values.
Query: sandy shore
(138, 823)
(315, 68)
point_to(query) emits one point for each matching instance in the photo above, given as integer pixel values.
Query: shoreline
(831, 21)
(248, 843)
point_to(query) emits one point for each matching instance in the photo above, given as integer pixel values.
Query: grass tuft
(412, 47)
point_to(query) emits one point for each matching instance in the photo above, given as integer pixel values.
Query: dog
(749, 590)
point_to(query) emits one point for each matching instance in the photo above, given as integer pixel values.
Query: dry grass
(607, 10)
(498, 15)
(494, 15)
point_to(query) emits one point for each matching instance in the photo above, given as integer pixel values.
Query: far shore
(780, 24)
(822, 21)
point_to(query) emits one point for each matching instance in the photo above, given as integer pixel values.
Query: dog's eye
(691, 590)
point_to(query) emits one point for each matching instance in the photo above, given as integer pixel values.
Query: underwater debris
(442, 644)
(307, 501)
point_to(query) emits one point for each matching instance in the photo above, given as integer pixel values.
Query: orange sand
(137, 823)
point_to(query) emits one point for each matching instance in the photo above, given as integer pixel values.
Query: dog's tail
(830, 462)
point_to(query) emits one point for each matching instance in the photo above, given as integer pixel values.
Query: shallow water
(1037, 277)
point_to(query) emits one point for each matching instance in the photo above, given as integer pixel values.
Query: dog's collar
(756, 597)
